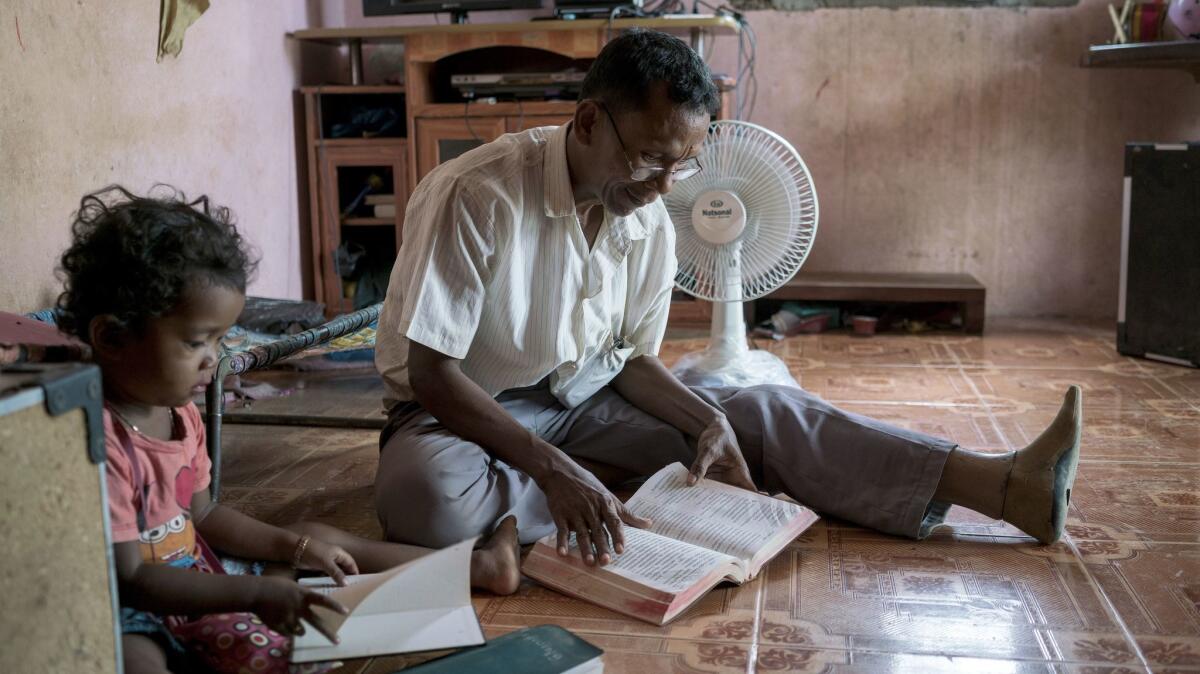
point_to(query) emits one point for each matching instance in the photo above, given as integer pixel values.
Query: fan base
(742, 369)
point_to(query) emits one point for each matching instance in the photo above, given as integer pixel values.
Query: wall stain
(820, 89)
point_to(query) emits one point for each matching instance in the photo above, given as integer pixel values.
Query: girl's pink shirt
(172, 470)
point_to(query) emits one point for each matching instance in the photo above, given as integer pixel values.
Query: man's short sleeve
(449, 240)
(649, 306)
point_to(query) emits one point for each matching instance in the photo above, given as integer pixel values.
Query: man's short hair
(628, 66)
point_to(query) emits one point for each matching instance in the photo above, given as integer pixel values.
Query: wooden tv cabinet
(436, 129)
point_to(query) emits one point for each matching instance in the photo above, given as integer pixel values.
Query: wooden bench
(963, 289)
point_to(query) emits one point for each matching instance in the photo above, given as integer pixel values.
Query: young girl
(153, 284)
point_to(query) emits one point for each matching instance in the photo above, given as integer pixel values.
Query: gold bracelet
(301, 546)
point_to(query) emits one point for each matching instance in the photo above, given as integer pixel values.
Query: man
(519, 337)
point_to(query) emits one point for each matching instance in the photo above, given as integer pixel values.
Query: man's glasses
(682, 171)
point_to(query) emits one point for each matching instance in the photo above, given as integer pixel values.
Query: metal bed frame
(261, 356)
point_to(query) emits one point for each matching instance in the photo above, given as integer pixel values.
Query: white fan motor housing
(718, 216)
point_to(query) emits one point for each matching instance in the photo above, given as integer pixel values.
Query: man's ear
(587, 114)
(107, 336)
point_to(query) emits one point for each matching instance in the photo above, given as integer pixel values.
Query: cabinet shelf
(369, 222)
(380, 143)
(505, 109)
(718, 25)
(430, 131)
(342, 89)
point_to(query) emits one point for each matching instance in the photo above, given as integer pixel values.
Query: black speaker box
(1158, 311)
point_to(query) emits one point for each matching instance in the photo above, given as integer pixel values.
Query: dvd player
(519, 85)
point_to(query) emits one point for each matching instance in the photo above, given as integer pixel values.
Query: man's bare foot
(496, 567)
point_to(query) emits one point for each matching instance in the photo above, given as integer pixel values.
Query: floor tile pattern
(1121, 593)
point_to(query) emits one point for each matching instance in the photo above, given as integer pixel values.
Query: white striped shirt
(495, 270)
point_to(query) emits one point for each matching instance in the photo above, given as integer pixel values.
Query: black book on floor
(545, 649)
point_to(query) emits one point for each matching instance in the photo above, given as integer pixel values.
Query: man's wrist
(704, 421)
(548, 462)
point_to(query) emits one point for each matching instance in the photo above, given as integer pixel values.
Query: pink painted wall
(967, 140)
(85, 105)
(939, 139)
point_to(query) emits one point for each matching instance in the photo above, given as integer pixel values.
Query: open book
(700, 536)
(419, 606)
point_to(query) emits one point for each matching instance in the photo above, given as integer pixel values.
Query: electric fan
(743, 227)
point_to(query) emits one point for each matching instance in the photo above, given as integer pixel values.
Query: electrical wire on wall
(664, 7)
(660, 8)
(616, 13)
(746, 82)
(467, 120)
(746, 85)
(752, 82)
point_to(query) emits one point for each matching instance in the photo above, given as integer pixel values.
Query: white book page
(411, 631)
(657, 562)
(710, 514)
(438, 580)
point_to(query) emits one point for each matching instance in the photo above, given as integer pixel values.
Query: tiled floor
(1120, 594)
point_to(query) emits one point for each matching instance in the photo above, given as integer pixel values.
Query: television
(456, 8)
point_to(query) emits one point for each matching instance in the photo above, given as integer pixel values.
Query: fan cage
(774, 184)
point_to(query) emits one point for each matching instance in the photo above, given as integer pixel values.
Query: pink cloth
(172, 470)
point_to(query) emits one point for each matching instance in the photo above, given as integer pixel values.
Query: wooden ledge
(890, 287)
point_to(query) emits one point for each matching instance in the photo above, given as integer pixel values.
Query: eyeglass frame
(650, 172)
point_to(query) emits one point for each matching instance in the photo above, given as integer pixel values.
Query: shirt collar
(634, 227)
(556, 177)
(556, 183)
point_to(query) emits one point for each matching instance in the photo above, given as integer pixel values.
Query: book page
(418, 630)
(438, 580)
(710, 514)
(657, 562)
(351, 595)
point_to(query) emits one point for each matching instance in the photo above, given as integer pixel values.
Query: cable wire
(745, 93)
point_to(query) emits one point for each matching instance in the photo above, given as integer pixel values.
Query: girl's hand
(281, 603)
(329, 559)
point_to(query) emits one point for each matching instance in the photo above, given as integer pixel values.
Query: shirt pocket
(574, 382)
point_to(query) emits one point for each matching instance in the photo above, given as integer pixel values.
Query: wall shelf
(1179, 54)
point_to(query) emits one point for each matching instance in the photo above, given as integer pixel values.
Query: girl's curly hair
(132, 257)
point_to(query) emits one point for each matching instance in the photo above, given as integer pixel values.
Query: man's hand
(719, 457)
(581, 504)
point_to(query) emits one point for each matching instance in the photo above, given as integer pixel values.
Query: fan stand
(728, 360)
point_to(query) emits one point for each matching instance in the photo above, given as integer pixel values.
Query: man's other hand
(718, 457)
(581, 504)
